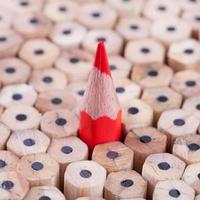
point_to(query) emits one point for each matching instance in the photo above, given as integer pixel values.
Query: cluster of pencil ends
(99, 100)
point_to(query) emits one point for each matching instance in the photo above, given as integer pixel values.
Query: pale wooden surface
(40, 192)
(144, 142)
(125, 184)
(159, 167)
(191, 176)
(113, 156)
(39, 170)
(47, 50)
(188, 148)
(173, 189)
(84, 178)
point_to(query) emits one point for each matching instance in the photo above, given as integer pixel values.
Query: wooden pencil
(113, 156)
(55, 99)
(144, 142)
(4, 135)
(161, 166)
(39, 53)
(28, 141)
(125, 184)
(100, 112)
(192, 176)
(13, 185)
(144, 51)
(97, 15)
(171, 189)
(20, 117)
(44, 193)
(187, 148)
(8, 161)
(84, 178)
(67, 150)
(39, 170)
(177, 122)
(59, 123)
(184, 55)
(14, 70)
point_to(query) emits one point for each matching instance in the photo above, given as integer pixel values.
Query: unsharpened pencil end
(101, 60)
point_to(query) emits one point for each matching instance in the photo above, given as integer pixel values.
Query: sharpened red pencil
(100, 115)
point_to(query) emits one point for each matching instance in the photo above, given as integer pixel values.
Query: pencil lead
(101, 60)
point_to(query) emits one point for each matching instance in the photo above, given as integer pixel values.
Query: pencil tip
(101, 60)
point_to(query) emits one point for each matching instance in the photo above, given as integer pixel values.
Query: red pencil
(100, 116)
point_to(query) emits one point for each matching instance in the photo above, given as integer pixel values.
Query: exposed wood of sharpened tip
(161, 166)
(39, 170)
(125, 184)
(113, 156)
(143, 142)
(84, 178)
(44, 193)
(171, 189)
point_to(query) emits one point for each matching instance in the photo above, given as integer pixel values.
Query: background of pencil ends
(47, 50)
